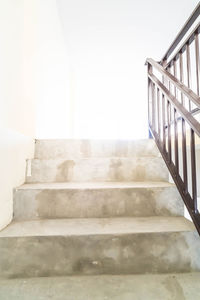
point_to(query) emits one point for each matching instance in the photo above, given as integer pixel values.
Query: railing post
(149, 72)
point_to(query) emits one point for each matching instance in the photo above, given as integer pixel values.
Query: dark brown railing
(174, 112)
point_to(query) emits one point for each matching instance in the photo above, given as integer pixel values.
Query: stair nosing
(85, 226)
(112, 185)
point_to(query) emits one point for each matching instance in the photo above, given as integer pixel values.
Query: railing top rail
(190, 21)
(183, 88)
(183, 46)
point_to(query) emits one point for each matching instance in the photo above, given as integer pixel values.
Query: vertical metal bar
(193, 169)
(181, 75)
(169, 70)
(149, 71)
(197, 60)
(158, 112)
(175, 74)
(153, 106)
(189, 83)
(169, 130)
(176, 140)
(164, 122)
(184, 149)
(149, 100)
(184, 155)
(164, 77)
(175, 124)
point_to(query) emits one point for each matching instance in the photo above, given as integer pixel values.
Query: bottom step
(128, 287)
(99, 246)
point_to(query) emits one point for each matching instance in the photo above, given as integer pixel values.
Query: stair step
(99, 226)
(70, 149)
(104, 287)
(97, 169)
(99, 246)
(96, 200)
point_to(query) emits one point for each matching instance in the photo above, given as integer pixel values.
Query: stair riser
(135, 169)
(94, 203)
(70, 149)
(99, 254)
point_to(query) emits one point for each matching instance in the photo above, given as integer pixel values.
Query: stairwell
(93, 207)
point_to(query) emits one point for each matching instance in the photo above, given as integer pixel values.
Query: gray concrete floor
(129, 287)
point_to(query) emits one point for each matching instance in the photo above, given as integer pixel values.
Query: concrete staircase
(97, 207)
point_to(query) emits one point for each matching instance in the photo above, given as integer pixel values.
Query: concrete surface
(97, 200)
(122, 217)
(99, 246)
(104, 287)
(97, 169)
(98, 226)
(70, 149)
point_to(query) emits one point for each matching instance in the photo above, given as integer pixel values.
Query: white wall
(16, 108)
(34, 88)
(51, 69)
(108, 42)
(15, 148)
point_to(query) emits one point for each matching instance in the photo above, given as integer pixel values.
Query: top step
(73, 148)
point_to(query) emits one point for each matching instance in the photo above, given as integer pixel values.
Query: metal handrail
(194, 124)
(183, 88)
(171, 101)
(161, 105)
(184, 45)
(190, 21)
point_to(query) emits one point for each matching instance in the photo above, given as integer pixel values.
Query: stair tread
(99, 158)
(95, 185)
(130, 287)
(97, 226)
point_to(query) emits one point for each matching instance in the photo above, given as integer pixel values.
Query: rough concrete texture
(104, 287)
(87, 200)
(97, 169)
(71, 149)
(118, 220)
(99, 246)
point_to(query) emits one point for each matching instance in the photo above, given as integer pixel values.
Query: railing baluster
(169, 70)
(153, 106)
(150, 95)
(175, 74)
(197, 60)
(184, 149)
(164, 122)
(193, 169)
(188, 70)
(181, 74)
(184, 155)
(176, 140)
(169, 130)
(158, 111)
(149, 101)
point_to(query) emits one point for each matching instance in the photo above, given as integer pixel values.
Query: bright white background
(107, 42)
